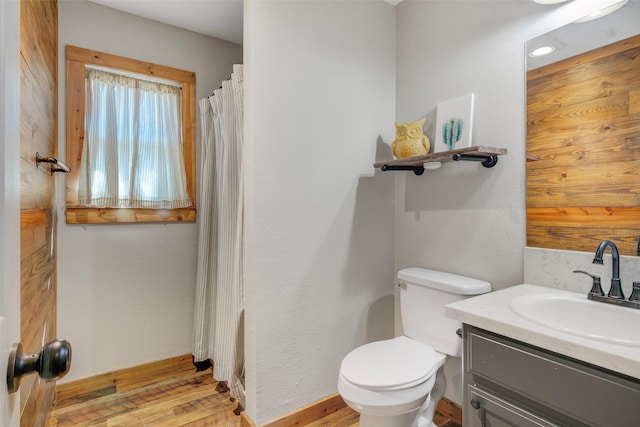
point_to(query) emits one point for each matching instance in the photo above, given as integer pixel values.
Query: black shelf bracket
(487, 162)
(418, 170)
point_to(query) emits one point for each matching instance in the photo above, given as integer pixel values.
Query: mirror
(583, 135)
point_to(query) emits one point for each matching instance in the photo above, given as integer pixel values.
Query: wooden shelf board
(444, 156)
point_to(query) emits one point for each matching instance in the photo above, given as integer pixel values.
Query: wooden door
(38, 134)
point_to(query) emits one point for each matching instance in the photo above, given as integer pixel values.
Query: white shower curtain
(218, 323)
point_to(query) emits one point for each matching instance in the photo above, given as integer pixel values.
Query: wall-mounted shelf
(487, 156)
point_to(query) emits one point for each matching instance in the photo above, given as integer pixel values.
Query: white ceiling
(215, 18)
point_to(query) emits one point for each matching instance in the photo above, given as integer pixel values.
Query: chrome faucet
(616, 290)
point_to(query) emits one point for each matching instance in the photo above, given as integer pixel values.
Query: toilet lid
(391, 363)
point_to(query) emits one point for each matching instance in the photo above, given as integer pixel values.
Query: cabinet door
(487, 410)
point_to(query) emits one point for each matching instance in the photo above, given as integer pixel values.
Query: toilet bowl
(398, 382)
(390, 380)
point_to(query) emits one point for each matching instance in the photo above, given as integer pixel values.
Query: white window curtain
(218, 320)
(132, 155)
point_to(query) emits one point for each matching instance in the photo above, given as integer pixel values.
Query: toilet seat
(394, 364)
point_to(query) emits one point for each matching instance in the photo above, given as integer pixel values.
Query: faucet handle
(596, 287)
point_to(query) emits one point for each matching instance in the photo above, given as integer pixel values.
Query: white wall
(464, 218)
(9, 201)
(126, 292)
(319, 274)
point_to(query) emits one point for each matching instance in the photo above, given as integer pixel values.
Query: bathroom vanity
(510, 383)
(520, 373)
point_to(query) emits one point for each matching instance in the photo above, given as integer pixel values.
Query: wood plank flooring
(194, 399)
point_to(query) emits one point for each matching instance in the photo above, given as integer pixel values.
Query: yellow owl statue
(410, 141)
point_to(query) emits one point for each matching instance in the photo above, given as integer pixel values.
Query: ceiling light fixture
(541, 51)
(603, 12)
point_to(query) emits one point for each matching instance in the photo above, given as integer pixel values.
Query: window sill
(83, 215)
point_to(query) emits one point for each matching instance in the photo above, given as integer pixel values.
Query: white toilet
(398, 382)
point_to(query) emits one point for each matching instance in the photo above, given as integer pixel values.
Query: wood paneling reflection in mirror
(583, 121)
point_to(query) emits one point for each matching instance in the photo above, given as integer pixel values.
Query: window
(156, 190)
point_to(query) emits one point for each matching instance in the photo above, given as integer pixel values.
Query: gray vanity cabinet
(490, 410)
(509, 383)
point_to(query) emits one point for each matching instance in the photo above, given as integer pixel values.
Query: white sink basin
(579, 316)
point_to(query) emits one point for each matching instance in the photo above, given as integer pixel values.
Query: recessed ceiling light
(603, 12)
(541, 51)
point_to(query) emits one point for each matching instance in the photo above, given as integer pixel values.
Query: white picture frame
(454, 123)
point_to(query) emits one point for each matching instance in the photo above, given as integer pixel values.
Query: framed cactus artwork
(454, 123)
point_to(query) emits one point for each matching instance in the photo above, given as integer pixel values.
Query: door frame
(9, 200)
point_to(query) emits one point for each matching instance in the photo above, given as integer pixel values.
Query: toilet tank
(423, 295)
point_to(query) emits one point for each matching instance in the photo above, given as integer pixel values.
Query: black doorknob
(53, 362)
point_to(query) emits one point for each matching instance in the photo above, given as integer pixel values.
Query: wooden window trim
(77, 59)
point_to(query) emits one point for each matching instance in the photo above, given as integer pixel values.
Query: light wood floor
(194, 399)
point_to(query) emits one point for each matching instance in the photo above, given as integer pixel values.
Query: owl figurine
(410, 141)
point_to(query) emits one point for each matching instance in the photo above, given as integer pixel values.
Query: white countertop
(492, 312)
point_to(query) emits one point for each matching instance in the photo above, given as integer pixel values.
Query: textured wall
(320, 84)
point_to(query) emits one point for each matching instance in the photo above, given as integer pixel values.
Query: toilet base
(404, 420)
(421, 417)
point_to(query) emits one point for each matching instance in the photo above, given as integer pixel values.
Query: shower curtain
(218, 322)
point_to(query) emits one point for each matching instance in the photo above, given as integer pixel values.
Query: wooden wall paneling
(586, 57)
(38, 124)
(589, 146)
(583, 125)
(575, 238)
(586, 187)
(603, 71)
